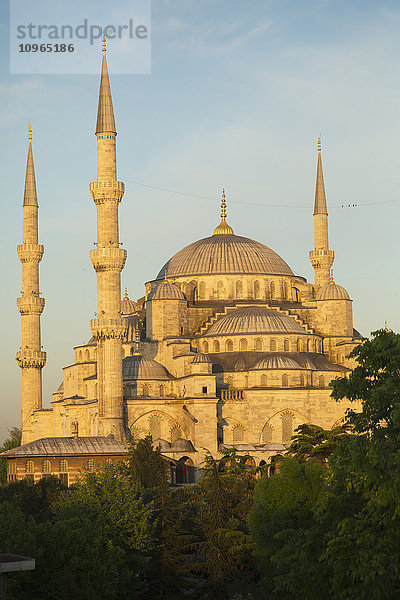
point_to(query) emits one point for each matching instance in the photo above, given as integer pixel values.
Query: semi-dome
(277, 362)
(141, 367)
(167, 291)
(254, 320)
(332, 291)
(225, 254)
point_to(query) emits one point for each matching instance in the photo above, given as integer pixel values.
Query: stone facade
(227, 348)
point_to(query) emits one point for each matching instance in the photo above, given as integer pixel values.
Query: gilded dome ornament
(223, 228)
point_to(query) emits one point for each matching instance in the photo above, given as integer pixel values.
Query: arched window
(287, 427)
(46, 466)
(229, 346)
(202, 290)
(243, 345)
(301, 379)
(285, 291)
(155, 427)
(162, 390)
(257, 289)
(237, 434)
(87, 356)
(79, 356)
(286, 345)
(175, 433)
(63, 467)
(90, 465)
(220, 290)
(299, 345)
(239, 289)
(258, 344)
(264, 380)
(321, 381)
(145, 390)
(285, 380)
(272, 290)
(216, 346)
(29, 466)
(205, 347)
(272, 345)
(319, 346)
(266, 434)
(308, 345)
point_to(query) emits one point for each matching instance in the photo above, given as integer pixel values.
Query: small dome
(128, 307)
(332, 291)
(201, 358)
(167, 291)
(181, 445)
(140, 367)
(253, 320)
(277, 362)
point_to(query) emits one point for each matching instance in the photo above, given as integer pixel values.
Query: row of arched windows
(84, 355)
(254, 291)
(298, 345)
(147, 390)
(155, 429)
(301, 381)
(287, 427)
(46, 466)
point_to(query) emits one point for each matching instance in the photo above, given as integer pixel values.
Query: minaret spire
(108, 260)
(321, 257)
(30, 358)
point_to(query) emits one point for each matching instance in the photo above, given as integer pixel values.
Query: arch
(257, 289)
(184, 470)
(308, 344)
(220, 290)
(205, 347)
(155, 427)
(243, 345)
(75, 428)
(298, 345)
(272, 290)
(272, 345)
(249, 461)
(162, 390)
(46, 466)
(87, 355)
(301, 380)
(239, 290)
(229, 346)
(264, 380)
(175, 433)
(29, 466)
(286, 345)
(285, 380)
(297, 294)
(287, 427)
(202, 290)
(63, 466)
(216, 346)
(258, 345)
(237, 434)
(266, 434)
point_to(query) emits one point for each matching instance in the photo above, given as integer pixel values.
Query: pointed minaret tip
(105, 111)
(30, 195)
(320, 199)
(223, 228)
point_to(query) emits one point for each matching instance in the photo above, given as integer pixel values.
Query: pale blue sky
(237, 96)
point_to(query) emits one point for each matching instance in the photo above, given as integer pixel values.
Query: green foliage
(146, 465)
(312, 441)
(33, 500)
(13, 440)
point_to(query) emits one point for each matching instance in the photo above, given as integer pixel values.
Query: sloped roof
(68, 446)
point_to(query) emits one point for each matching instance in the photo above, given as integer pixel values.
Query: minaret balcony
(31, 359)
(322, 258)
(30, 253)
(108, 259)
(107, 191)
(30, 305)
(104, 328)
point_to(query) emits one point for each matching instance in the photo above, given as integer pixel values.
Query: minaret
(31, 358)
(108, 260)
(321, 257)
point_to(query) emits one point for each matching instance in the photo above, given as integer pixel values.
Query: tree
(13, 440)
(312, 441)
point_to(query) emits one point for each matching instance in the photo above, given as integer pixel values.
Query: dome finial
(386, 326)
(126, 293)
(223, 228)
(319, 144)
(30, 131)
(136, 352)
(104, 42)
(331, 277)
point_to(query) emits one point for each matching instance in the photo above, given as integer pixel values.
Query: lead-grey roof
(254, 320)
(68, 446)
(141, 367)
(225, 254)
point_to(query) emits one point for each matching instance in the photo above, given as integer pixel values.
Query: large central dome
(225, 254)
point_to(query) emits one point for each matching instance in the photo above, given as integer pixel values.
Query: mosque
(228, 348)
